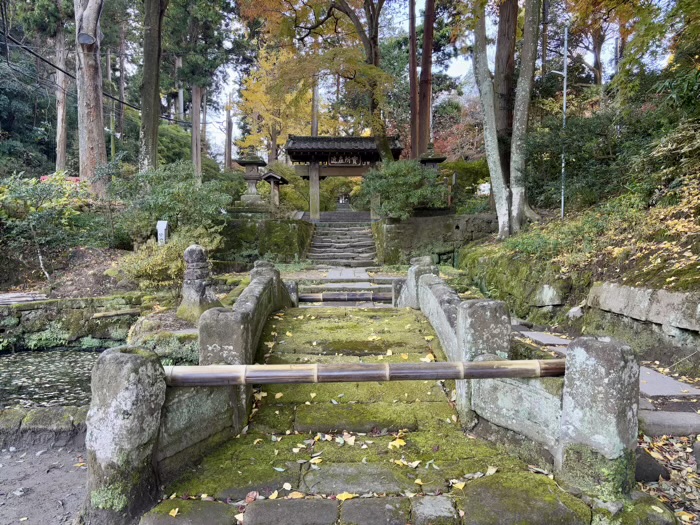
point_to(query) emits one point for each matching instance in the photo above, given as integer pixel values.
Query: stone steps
(343, 244)
(307, 443)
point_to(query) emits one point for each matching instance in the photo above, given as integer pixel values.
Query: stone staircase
(359, 453)
(347, 287)
(348, 244)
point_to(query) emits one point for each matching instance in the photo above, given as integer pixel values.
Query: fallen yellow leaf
(315, 461)
(397, 443)
(278, 395)
(289, 334)
(174, 512)
(429, 337)
(418, 482)
(459, 485)
(274, 495)
(345, 495)
(404, 356)
(296, 495)
(312, 394)
(287, 486)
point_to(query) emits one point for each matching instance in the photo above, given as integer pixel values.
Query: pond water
(46, 378)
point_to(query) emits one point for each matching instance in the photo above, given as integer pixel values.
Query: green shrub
(155, 267)
(170, 193)
(402, 187)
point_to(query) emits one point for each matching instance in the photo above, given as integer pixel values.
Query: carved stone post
(197, 297)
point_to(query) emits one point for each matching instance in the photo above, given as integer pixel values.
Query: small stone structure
(252, 164)
(197, 296)
(140, 430)
(583, 425)
(439, 236)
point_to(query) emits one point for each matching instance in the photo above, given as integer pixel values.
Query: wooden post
(223, 375)
(314, 191)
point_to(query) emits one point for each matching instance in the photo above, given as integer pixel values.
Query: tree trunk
(112, 105)
(150, 83)
(413, 76)
(484, 82)
(196, 132)
(545, 35)
(272, 147)
(122, 77)
(61, 94)
(91, 134)
(204, 117)
(314, 108)
(504, 79)
(425, 95)
(228, 146)
(180, 91)
(528, 57)
(597, 40)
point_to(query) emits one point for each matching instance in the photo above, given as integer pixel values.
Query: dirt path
(41, 486)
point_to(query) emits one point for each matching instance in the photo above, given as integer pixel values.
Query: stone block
(128, 391)
(298, 511)
(375, 511)
(197, 296)
(531, 407)
(409, 294)
(356, 478)
(433, 510)
(599, 421)
(548, 295)
(439, 303)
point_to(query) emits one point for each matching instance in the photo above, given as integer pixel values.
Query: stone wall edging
(56, 426)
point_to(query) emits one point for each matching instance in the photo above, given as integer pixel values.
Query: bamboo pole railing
(222, 375)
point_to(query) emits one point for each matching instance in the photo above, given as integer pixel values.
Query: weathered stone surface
(483, 327)
(575, 313)
(645, 511)
(10, 421)
(599, 421)
(299, 512)
(440, 303)
(375, 511)
(409, 293)
(677, 309)
(391, 417)
(128, 391)
(532, 407)
(433, 510)
(661, 422)
(191, 512)
(548, 295)
(197, 296)
(354, 478)
(521, 499)
(648, 469)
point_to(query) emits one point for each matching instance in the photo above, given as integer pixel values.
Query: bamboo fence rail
(222, 375)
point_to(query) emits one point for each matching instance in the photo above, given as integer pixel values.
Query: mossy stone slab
(433, 510)
(522, 499)
(272, 419)
(190, 512)
(375, 511)
(358, 417)
(296, 511)
(356, 478)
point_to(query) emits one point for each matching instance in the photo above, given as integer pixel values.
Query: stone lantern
(430, 159)
(275, 182)
(252, 164)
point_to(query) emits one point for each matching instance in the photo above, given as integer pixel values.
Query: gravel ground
(40, 486)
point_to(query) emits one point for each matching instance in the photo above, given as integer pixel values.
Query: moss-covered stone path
(360, 453)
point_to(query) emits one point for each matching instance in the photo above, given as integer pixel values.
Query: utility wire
(104, 93)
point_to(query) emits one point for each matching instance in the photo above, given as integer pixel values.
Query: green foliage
(469, 175)
(170, 193)
(39, 217)
(155, 267)
(402, 187)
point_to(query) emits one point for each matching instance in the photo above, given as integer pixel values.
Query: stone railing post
(197, 296)
(599, 419)
(483, 327)
(409, 294)
(128, 392)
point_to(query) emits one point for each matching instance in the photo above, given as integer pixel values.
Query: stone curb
(57, 426)
(660, 422)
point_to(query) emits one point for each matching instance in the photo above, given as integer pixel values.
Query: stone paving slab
(299, 512)
(434, 510)
(375, 511)
(660, 423)
(356, 478)
(191, 512)
(545, 339)
(655, 384)
(7, 299)
(355, 418)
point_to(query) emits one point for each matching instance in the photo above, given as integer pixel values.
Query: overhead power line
(104, 93)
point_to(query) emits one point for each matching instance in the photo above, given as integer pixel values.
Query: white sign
(162, 229)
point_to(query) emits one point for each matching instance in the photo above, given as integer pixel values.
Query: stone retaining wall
(77, 323)
(438, 236)
(584, 425)
(49, 426)
(140, 429)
